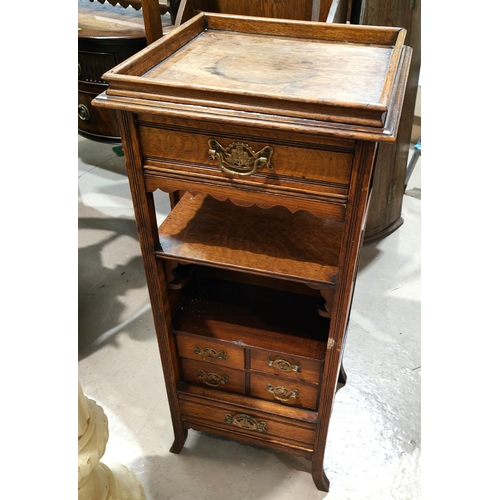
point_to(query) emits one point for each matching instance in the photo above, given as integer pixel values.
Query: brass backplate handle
(246, 422)
(239, 159)
(209, 354)
(283, 365)
(282, 393)
(212, 379)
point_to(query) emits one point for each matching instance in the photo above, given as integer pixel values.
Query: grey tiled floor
(373, 449)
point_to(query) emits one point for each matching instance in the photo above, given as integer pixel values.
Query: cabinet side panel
(148, 238)
(348, 264)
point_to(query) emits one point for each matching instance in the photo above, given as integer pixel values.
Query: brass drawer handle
(238, 158)
(246, 422)
(212, 379)
(282, 393)
(209, 354)
(283, 365)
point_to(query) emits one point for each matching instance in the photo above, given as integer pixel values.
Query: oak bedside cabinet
(267, 130)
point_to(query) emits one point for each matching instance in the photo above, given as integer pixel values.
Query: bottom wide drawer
(247, 424)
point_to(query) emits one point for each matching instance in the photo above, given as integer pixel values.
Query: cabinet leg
(179, 441)
(318, 473)
(342, 380)
(319, 476)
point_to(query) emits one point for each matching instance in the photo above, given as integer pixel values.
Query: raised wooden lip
(127, 79)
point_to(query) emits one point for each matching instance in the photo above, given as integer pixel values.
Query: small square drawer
(210, 351)
(282, 390)
(290, 367)
(219, 377)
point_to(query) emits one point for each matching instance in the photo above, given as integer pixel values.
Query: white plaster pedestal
(96, 480)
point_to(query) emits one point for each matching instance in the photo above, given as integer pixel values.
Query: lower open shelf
(251, 315)
(238, 337)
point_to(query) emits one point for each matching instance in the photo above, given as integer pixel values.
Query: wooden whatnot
(271, 129)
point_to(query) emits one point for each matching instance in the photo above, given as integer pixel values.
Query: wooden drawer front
(290, 367)
(282, 390)
(262, 426)
(296, 168)
(210, 351)
(219, 377)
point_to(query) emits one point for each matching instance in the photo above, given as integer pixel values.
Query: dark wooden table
(108, 33)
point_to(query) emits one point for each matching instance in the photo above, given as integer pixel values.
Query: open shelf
(251, 316)
(271, 242)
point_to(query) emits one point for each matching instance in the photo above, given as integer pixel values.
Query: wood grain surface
(273, 242)
(283, 67)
